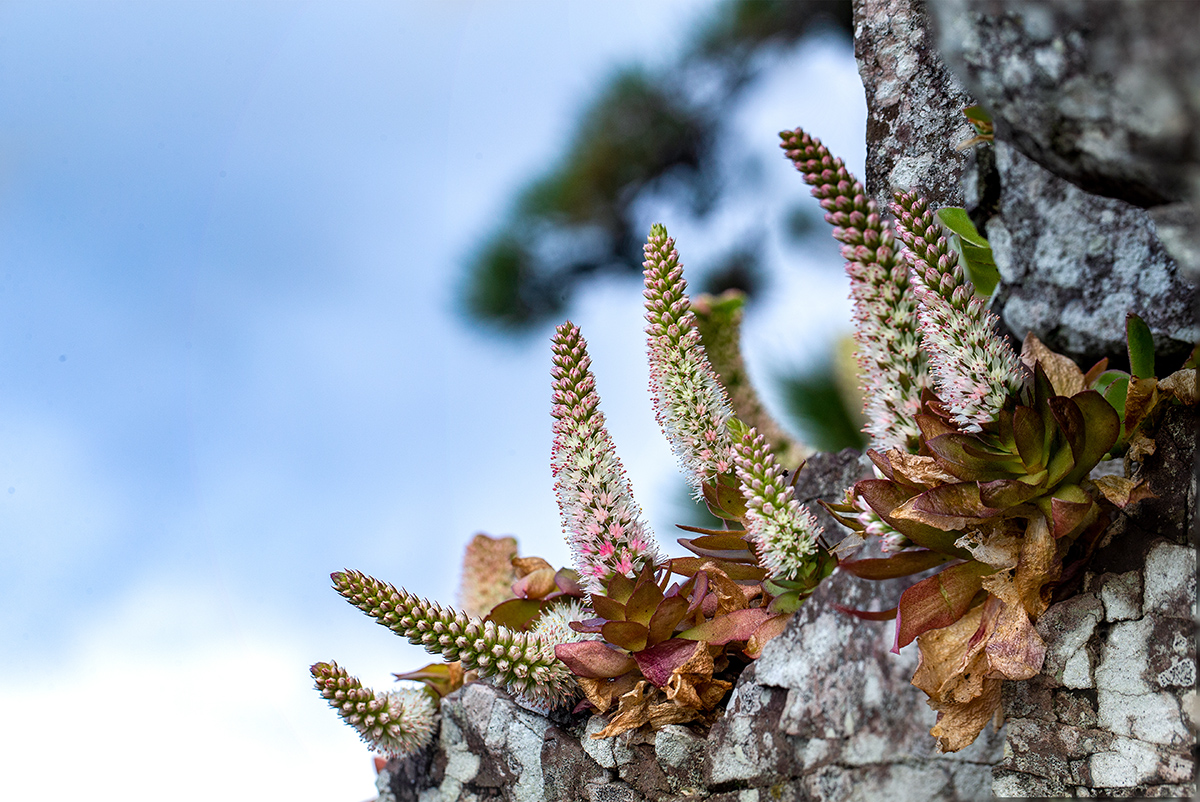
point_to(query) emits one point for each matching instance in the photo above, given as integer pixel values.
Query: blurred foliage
(644, 133)
(825, 401)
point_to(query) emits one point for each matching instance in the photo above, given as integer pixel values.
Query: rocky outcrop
(828, 713)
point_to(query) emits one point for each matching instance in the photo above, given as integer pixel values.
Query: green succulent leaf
(607, 609)
(1005, 493)
(593, 659)
(644, 601)
(1141, 347)
(938, 601)
(904, 563)
(620, 588)
(724, 501)
(666, 618)
(1029, 435)
(1102, 428)
(516, 613)
(628, 635)
(965, 457)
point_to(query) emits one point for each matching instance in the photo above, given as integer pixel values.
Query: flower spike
(784, 532)
(689, 402)
(975, 370)
(892, 368)
(397, 723)
(602, 520)
(519, 661)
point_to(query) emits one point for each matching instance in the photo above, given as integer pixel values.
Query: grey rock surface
(914, 104)
(1073, 264)
(1113, 712)
(1104, 93)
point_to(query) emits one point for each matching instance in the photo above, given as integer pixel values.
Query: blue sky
(230, 359)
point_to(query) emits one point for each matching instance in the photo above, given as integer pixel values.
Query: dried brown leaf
(527, 565)
(692, 684)
(1065, 376)
(603, 692)
(1140, 447)
(919, 470)
(1181, 385)
(1121, 491)
(959, 725)
(1039, 564)
(729, 593)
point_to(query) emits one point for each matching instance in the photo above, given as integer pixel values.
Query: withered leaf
(1181, 385)
(1039, 564)
(729, 594)
(527, 565)
(919, 470)
(602, 692)
(1121, 491)
(959, 725)
(1064, 375)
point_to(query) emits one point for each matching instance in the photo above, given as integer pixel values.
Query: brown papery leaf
(1140, 401)
(1140, 447)
(692, 684)
(603, 692)
(959, 725)
(1121, 491)
(1014, 649)
(1039, 564)
(1181, 385)
(729, 594)
(1064, 375)
(527, 565)
(946, 655)
(919, 470)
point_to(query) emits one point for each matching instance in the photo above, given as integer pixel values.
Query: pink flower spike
(601, 519)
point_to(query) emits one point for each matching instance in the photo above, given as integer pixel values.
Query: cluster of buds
(516, 660)
(689, 402)
(975, 370)
(892, 367)
(397, 723)
(599, 514)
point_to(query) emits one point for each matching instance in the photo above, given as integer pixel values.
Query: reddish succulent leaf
(948, 507)
(1094, 372)
(591, 626)
(628, 635)
(885, 497)
(607, 609)
(1004, 493)
(658, 663)
(734, 626)
(904, 563)
(771, 628)
(535, 584)
(882, 463)
(738, 572)
(740, 552)
(868, 615)
(668, 615)
(567, 580)
(1029, 433)
(1067, 515)
(515, 613)
(643, 602)
(700, 530)
(1102, 427)
(938, 601)
(932, 426)
(724, 501)
(965, 457)
(593, 659)
(723, 542)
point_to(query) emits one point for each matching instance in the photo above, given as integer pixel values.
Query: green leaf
(1141, 347)
(977, 114)
(1102, 427)
(959, 222)
(608, 609)
(515, 614)
(738, 572)
(1029, 434)
(628, 635)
